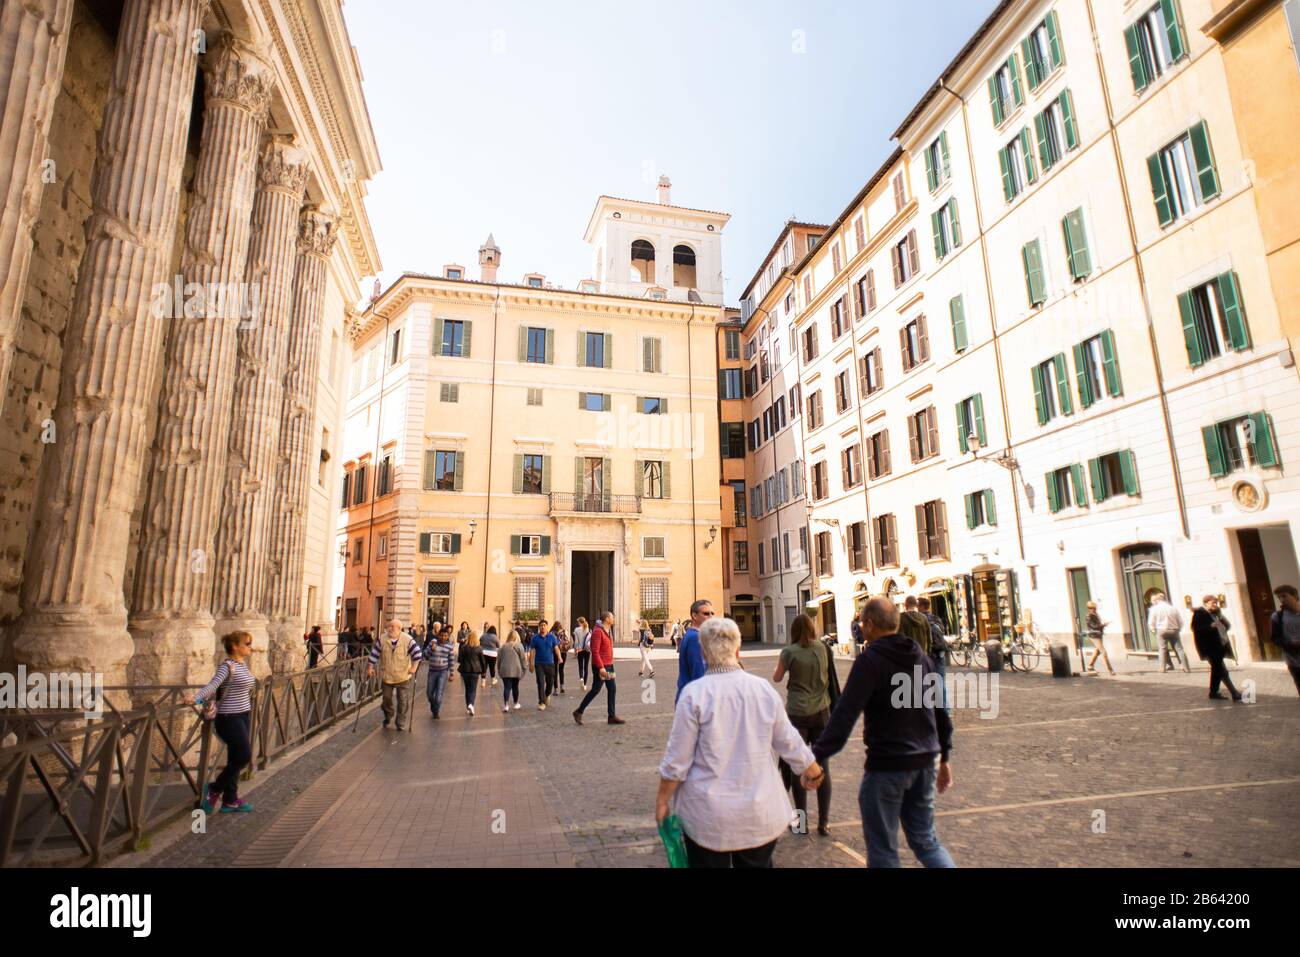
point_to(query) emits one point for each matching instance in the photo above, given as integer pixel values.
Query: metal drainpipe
(690, 425)
(492, 421)
(379, 422)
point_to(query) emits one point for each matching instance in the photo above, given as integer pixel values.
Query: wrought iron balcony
(595, 503)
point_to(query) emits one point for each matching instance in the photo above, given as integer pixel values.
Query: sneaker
(518, 706)
(243, 807)
(210, 798)
(577, 717)
(542, 706)
(470, 709)
(505, 709)
(615, 719)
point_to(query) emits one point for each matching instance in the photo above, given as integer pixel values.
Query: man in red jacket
(602, 666)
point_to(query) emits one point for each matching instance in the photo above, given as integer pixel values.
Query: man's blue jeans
(888, 798)
(437, 685)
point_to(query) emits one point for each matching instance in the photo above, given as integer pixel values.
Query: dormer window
(535, 281)
(453, 272)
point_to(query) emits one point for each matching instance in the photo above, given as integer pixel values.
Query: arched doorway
(1142, 568)
(643, 261)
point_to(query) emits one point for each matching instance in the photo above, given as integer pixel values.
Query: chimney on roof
(665, 191)
(489, 259)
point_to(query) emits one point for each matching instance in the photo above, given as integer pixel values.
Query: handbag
(670, 833)
(210, 707)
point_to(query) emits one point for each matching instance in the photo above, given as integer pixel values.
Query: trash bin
(1061, 661)
(993, 651)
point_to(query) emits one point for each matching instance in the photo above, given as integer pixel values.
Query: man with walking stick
(398, 655)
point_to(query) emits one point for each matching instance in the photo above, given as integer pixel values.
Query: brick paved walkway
(1139, 770)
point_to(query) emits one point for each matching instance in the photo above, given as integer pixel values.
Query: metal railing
(75, 790)
(596, 502)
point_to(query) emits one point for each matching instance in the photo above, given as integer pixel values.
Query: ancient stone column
(288, 533)
(33, 45)
(74, 614)
(171, 617)
(242, 537)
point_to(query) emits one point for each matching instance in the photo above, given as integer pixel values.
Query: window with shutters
(803, 545)
(1242, 442)
(381, 551)
(1214, 319)
(1065, 488)
(436, 543)
(594, 349)
(838, 324)
(444, 471)
(878, 461)
(762, 558)
(820, 486)
(851, 466)
(449, 392)
(789, 303)
(533, 546)
(906, 259)
(652, 546)
(865, 291)
(946, 228)
(980, 512)
(923, 434)
(1112, 475)
(1017, 162)
(764, 368)
(1155, 42)
(361, 485)
(1042, 51)
(815, 411)
(729, 384)
(825, 563)
(395, 347)
(536, 345)
(1035, 278)
(795, 401)
(652, 480)
(1183, 175)
(785, 548)
(755, 436)
(837, 260)
(796, 480)
(651, 405)
(1076, 246)
(938, 164)
(807, 289)
(593, 402)
(358, 550)
(1096, 369)
(751, 381)
(454, 340)
(970, 424)
(778, 415)
(957, 314)
(885, 530)
(843, 392)
(900, 193)
(1051, 390)
(733, 440)
(346, 501)
(1005, 93)
(914, 343)
(740, 562)
(732, 341)
(652, 354)
(810, 343)
(857, 546)
(384, 477)
(859, 234)
(531, 475)
(1056, 131)
(871, 378)
(932, 530)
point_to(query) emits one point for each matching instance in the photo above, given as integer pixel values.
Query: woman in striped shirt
(234, 721)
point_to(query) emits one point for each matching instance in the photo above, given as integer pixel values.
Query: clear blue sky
(512, 116)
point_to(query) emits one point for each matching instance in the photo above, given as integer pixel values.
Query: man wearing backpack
(1285, 628)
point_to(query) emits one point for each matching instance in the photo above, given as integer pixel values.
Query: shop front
(987, 603)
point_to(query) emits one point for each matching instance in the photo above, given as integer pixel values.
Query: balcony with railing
(595, 503)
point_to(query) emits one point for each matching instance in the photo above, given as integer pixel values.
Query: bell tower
(489, 259)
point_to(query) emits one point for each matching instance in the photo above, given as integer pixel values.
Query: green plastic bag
(670, 832)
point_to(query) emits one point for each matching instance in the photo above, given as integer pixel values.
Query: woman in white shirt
(717, 773)
(582, 648)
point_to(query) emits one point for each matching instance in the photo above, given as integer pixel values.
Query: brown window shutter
(932, 431)
(913, 434)
(941, 516)
(902, 348)
(913, 256)
(922, 544)
(923, 340)
(871, 459)
(880, 366)
(885, 465)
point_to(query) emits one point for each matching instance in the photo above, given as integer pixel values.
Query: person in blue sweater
(690, 658)
(893, 684)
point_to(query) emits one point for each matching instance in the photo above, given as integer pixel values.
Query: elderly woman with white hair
(717, 773)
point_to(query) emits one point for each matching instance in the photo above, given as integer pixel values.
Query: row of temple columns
(225, 493)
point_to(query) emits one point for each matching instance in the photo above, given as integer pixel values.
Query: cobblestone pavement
(1138, 770)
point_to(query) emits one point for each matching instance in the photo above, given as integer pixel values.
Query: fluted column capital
(317, 231)
(284, 165)
(236, 72)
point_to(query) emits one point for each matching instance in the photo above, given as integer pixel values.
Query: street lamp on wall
(713, 535)
(473, 526)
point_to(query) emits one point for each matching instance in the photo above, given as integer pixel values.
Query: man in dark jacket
(914, 625)
(1284, 628)
(1210, 634)
(894, 685)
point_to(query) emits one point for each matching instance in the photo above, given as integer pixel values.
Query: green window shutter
(1214, 456)
(1067, 120)
(1098, 483)
(1040, 399)
(607, 481)
(1128, 469)
(1040, 128)
(668, 483)
(962, 428)
(1265, 444)
(466, 335)
(426, 542)
(519, 474)
(931, 174)
(1187, 308)
(944, 156)
(663, 406)
(990, 512)
(1110, 363)
(609, 350)
(550, 347)
(1054, 40)
(460, 471)
(546, 545)
(659, 355)
(1026, 150)
(1017, 92)
(1053, 500)
(577, 476)
(979, 420)
(1081, 378)
(1160, 189)
(455, 543)
(937, 228)
(1205, 170)
(582, 349)
(1135, 65)
(523, 343)
(639, 478)
(647, 356)
(957, 309)
(430, 465)
(995, 101)
(1174, 29)
(437, 337)
(1008, 184)
(605, 402)
(1033, 258)
(546, 474)
(1062, 384)
(1076, 245)
(1233, 313)
(515, 544)
(956, 222)
(1076, 479)
(1031, 67)
(970, 510)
